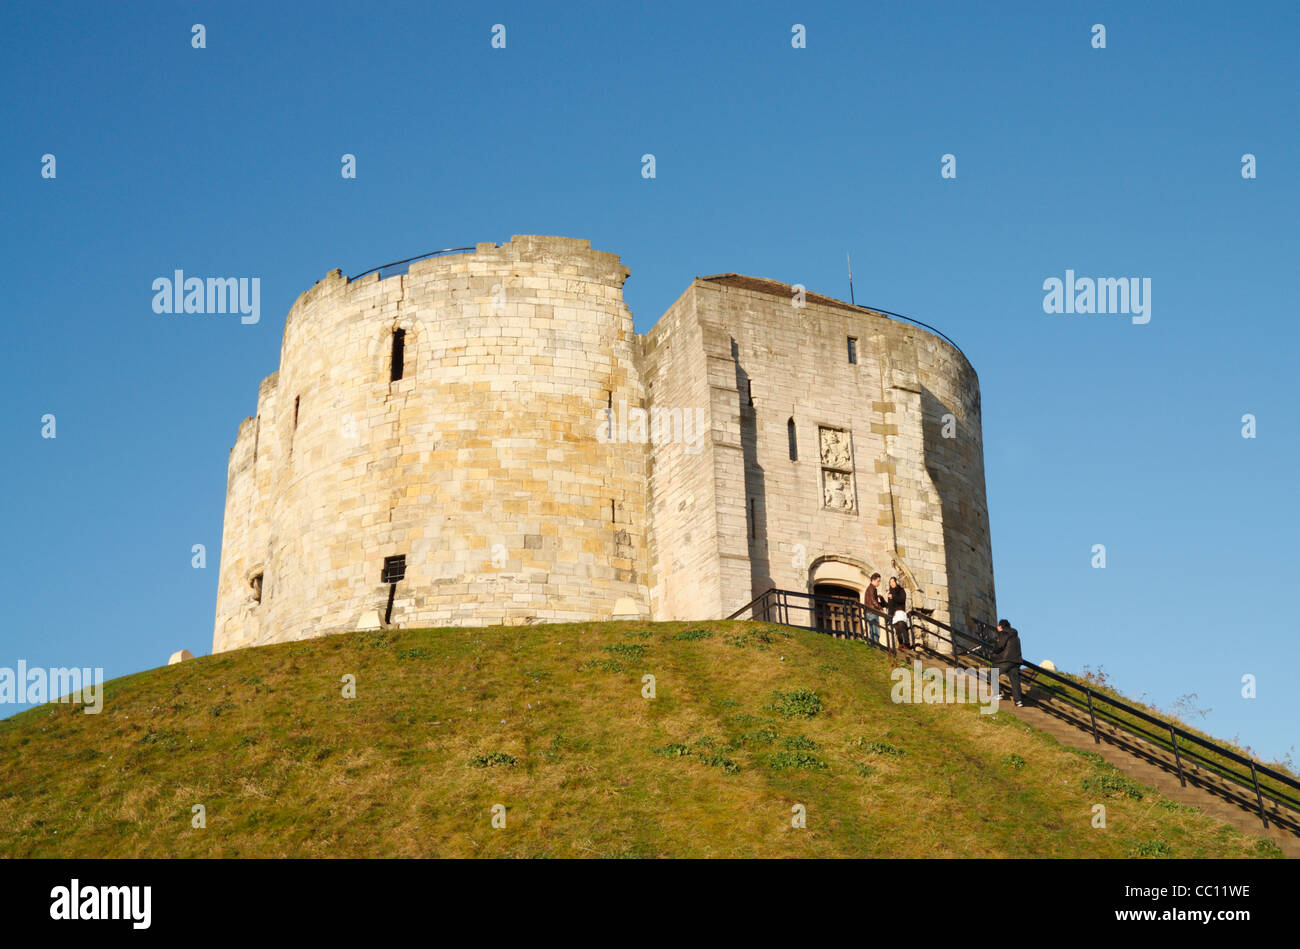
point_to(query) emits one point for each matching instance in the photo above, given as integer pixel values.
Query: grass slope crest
(751, 740)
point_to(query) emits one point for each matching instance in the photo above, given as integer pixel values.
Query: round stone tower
(427, 453)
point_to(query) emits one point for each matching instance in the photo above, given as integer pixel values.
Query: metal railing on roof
(410, 260)
(940, 333)
(469, 250)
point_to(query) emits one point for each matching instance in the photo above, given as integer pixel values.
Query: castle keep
(485, 439)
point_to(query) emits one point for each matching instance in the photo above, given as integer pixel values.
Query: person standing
(1006, 657)
(898, 611)
(875, 607)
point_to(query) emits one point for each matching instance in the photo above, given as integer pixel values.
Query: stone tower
(485, 440)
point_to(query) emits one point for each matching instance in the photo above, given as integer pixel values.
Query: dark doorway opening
(837, 617)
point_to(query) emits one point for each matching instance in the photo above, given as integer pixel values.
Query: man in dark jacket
(1006, 657)
(875, 607)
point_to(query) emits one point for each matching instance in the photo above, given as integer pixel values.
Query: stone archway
(842, 571)
(838, 575)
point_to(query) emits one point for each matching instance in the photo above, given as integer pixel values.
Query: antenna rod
(850, 260)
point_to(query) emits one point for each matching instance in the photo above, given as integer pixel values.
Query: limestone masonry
(486, 440)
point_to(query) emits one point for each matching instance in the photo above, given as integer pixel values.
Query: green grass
(550, 721)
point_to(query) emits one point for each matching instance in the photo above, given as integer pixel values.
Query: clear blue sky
(771, 161)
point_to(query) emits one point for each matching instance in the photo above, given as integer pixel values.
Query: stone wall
(684, 522)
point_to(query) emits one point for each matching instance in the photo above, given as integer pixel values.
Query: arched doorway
(842, 576)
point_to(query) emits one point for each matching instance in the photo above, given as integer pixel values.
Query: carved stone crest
(837, 470)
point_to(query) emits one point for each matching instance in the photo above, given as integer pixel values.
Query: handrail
(749, 605)
(1174, 731)
(778, 599)
(432, 253)
(855, 616)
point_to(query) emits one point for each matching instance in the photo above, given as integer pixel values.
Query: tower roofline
(777, 288)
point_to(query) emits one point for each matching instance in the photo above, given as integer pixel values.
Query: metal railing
(781, 606)
(410, 260)
(838, 616)
(1184, 745)
(915, 322)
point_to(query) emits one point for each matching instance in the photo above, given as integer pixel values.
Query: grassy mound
(551, 723)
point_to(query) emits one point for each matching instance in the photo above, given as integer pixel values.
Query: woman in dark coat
(897, 602)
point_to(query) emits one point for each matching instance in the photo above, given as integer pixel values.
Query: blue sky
(771, 161)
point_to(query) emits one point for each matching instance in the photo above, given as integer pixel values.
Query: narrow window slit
(399, 355)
